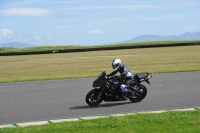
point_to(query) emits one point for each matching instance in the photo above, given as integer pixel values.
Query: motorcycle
(104, 91)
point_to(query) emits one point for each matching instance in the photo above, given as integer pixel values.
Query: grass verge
(55, 49)
(168, 122)
(90, 64)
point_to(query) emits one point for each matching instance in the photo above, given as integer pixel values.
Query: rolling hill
(16, 45)
(150, 38)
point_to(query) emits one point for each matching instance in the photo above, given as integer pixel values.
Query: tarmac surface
(62, 99)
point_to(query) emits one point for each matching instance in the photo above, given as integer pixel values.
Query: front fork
(100, 93)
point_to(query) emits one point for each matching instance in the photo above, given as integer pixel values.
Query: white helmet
(116, 63)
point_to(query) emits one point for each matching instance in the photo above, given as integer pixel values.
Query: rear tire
(93, 98)
(139, 95)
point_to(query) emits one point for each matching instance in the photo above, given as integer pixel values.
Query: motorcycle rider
(125, 76)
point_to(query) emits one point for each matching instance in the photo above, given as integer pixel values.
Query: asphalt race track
(60, 99)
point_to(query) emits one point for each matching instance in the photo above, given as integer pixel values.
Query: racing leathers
(125, 77)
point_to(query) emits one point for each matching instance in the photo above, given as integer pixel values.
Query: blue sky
(94, 22)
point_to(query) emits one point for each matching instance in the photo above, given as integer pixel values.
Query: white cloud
(6, 32)
(142, 5)
(49, 37)
(150, 6)
(71, 1)
(188, 28)
(96, 32)
(97, 38)
(37, 38)
(23, 3)
(25, 12)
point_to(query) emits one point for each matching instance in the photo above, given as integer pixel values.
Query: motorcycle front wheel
(139, 95)
(93, 98)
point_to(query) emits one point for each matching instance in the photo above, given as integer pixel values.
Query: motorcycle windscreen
(99, 82)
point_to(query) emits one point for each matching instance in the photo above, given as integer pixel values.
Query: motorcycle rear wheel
(93, 98)
(139, 95)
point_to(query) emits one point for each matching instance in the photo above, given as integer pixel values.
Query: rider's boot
(126, 93)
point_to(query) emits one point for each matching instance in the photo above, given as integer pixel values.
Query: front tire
(139, 95)
(93, 98)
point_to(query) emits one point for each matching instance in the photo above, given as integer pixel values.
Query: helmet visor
(115, 67)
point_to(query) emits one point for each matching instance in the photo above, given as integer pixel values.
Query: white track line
(63, 120)
(7, 126)
(32, 123)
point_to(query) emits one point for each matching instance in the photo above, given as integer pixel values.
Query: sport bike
(104, 91)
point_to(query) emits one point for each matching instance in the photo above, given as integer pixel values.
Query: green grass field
(91, 64)
(169, 122)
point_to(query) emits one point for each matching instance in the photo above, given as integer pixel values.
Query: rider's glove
(107, 77)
